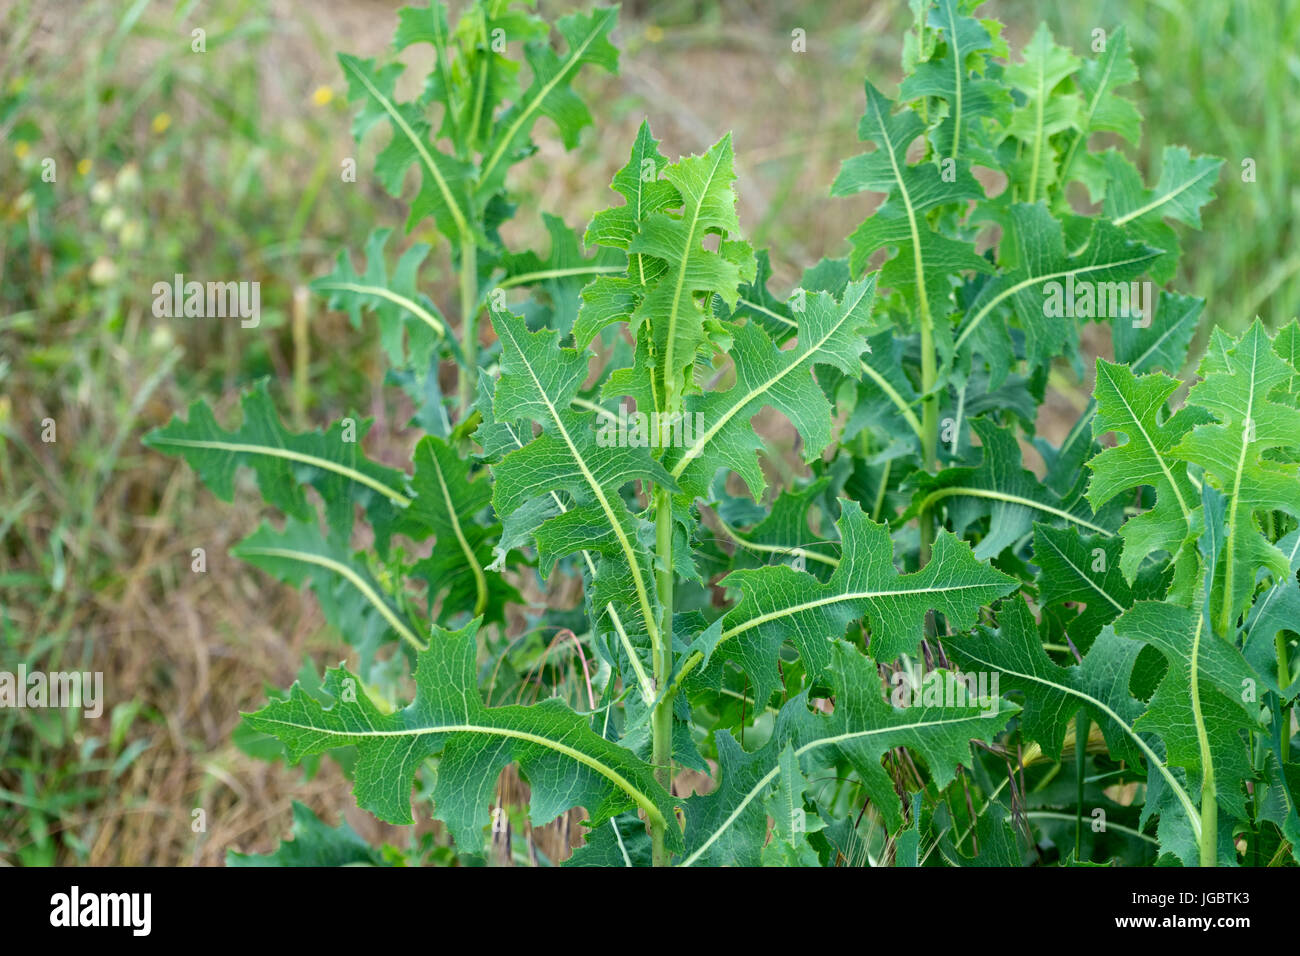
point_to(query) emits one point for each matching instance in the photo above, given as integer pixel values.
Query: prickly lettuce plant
(917, 651)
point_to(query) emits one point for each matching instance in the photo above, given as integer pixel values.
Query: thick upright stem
(1209, 819)
(929, 419)
(661, 726)
(1209, 796)
(468, 324)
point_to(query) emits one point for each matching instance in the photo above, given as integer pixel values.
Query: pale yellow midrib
(345, 572)
(922, 295)
(1182, 505)
(609, 773)
(1198, 718)
(526, 278)
(1091, 583)
(958, 57)
(775, 548)
(958, 491)
(1038, 130)
(274, 451)
(1035, 280)
(409, 304)
(836, 599)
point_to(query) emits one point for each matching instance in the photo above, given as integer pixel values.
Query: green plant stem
(929, 417)
(1081, 722)
(927, 537)
(1209, 836)
(1209, 819)
(1284, 681)
(469, 323)
(662, 720)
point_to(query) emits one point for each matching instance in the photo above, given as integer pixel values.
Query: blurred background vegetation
(225, 165)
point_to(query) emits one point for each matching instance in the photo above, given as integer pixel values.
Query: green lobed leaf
(1135, 407)
(1043, 112)
(669, 310)
(1036, 281)
(829, 333)
(1236, 381)
(314, 844)
(447, 502)
(444, 180)
(1201, 690)
(353, 601)
(610, 299)
(1000, 490)
(1083, 570)
(1103, 109)
(565, 763)
(925, 258)
(410, 325)
(470, 78)
(1276, 611)
(550, 94)
(1186, 184)
(727, 826)
(561, 275)
(1100, 687)
(972, 99)
(780, 604)
(285, 462)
